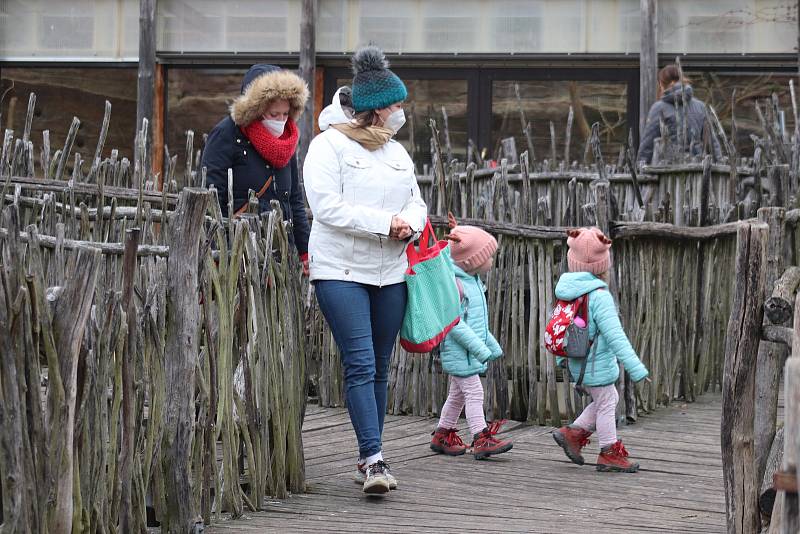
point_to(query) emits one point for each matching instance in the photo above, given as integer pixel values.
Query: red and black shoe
(572, 440)
(447, 441)
(484, 444)
(614, 458)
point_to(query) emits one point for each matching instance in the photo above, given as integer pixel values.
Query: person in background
(258, 141)
(671, 94)
(362, 190)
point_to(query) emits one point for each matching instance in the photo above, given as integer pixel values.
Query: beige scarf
(372, 137)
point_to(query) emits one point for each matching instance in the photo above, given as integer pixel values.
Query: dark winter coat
(228, 148)
(667, 108)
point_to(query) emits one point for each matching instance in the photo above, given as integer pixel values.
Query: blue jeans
(365, 321)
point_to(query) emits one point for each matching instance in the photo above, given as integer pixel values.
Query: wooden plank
(677, 490)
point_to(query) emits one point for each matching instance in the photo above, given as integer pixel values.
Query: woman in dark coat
(672, 92)
(258, 141)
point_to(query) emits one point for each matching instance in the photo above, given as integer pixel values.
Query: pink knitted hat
(588, 251)
(470, 247)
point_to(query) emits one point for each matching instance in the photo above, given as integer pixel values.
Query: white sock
(374, 458)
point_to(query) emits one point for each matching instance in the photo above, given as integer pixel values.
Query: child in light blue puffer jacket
(468, 348)
(589, 261)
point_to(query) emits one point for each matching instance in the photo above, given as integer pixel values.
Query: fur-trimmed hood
(266, 88)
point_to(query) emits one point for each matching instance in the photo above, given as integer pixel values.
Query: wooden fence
(152, 352)
(759, 451)
(676, 324)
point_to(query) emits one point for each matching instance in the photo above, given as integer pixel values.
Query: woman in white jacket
(362, 190)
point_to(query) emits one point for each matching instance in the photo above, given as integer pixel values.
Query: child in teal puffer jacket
(468, 348)
(589, 261)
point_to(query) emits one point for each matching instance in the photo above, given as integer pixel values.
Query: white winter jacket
(353, 194)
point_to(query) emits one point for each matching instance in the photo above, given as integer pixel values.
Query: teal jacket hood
(572, 285)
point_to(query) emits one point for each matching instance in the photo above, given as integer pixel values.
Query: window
(231, 26)
(543, 101)
(716, 89)
(63, 93)
(734, 26)
(75, 29)
(197, 99)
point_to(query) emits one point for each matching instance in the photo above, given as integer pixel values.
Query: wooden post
(159, 114)
(70, 318)
(770, 355)
(790, 514)
(147, 62)
(648, 60)
(126, 522)
(182, 347)
(738, 383)
(308, 51)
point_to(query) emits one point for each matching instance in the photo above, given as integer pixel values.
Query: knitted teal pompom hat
(374, 85)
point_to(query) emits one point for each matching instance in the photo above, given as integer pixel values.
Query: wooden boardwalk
(533, 488)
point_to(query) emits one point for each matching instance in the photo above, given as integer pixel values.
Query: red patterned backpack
(561, 327)
(563, 337)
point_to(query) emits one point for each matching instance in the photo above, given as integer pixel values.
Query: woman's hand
(399, 229)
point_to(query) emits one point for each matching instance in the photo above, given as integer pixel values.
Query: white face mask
(395, 121)
(275, 127)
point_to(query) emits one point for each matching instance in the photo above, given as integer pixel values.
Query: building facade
(480, 63)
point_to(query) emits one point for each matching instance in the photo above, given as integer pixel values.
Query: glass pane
(576, 26)
(79, 29)
(716, 90)
(231, 26)
(197, 99)
(734, 26)
(63, 93)
(548, 100)
(425, 101)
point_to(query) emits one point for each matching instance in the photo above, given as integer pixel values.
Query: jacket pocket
(398, 187)
(356, 179)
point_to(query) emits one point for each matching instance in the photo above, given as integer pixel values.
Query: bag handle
(424, 244)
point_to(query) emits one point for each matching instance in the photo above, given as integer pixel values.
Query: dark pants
(365, 321)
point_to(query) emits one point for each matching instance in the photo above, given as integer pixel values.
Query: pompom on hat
(374, 85)
(588, 251)
(470, 247)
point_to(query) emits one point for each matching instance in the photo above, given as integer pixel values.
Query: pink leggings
(464, 392)
(601, 413)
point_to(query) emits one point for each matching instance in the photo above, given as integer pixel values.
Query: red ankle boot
(447, 441)
(484, 444)
(615, 458)
(572, 440)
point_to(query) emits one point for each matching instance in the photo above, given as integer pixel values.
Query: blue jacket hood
(572, 285)
(255, 71)
(673, 95)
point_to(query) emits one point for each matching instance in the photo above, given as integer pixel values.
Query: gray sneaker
(361, 474)
(377, 483)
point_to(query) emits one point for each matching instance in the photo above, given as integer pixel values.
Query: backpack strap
(584, 364)
(461, 294)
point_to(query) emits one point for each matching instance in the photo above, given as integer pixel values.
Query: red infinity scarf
(277, 151)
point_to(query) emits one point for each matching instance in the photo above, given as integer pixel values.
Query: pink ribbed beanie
(470, 247)
(588, 251)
